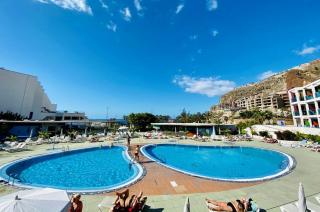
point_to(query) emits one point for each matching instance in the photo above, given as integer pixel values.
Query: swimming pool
(225, 163)
(83, 170)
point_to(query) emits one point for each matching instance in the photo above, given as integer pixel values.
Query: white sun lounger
(289, 208)
(311, 206)
(19, 147)
(318, 198)
(294, 207)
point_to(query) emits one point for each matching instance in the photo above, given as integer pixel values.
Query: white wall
(22, 93)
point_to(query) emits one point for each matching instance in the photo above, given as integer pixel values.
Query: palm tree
(44, 134)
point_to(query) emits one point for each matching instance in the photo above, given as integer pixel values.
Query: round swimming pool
(83, 170)
(226, 163)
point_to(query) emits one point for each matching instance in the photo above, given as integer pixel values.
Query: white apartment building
(23, 94)
(305, 105)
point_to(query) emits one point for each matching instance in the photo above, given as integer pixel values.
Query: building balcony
(296, 113)
(318, 94)
(294, 99)
(304, 113)
(312, 112)
(319, 111)
(309, 97)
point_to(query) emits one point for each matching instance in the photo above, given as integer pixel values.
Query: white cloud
(137, 4)
(308, 50)
(214, 33)
(210, 86)
(112, 26)
(78, 5)
(179, 8)
(266, 74)
(126, 14)
(103, 4)
(212, 5)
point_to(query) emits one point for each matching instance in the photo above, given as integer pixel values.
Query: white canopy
(35, 200)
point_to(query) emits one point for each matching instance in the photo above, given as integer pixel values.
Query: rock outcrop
(284, 81)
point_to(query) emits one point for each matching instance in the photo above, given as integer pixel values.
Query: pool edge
(288, 170)
(137, 178)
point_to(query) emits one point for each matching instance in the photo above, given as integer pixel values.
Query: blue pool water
(221, 163)
(79, 170)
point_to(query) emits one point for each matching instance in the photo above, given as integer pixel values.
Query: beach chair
(311, 206)
(18, 147)
(289, 208)
(11, 147)
(39, 141)
(293, 207)
(317, 198)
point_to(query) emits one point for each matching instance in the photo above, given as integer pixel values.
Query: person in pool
(76, 203)
(235, 206)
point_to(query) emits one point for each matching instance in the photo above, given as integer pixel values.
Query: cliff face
(284, 81)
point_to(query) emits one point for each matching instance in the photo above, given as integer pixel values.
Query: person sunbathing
(122, 201)
(76, 203)
(137, 202)
(235, 206)
(125, 204)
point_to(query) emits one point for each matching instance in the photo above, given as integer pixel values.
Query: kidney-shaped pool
(83, 170)
(226, 163)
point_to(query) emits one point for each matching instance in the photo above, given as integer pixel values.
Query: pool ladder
(66, 148)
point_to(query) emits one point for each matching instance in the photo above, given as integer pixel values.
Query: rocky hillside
(294, 77)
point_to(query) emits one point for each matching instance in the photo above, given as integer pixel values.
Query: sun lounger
(294, 207)
(311, 206)
(39, 141)
(318, 198)
(289, 208)
(19, 147)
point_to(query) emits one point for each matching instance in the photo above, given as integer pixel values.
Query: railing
(294, 99)
(296, 113)
(317, 93)
(304, 113)
(309, 97)
(319, 111)
(312, 112)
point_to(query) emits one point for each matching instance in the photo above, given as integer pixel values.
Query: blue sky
(153, 55)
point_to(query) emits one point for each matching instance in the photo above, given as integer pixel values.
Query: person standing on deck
(128, 140)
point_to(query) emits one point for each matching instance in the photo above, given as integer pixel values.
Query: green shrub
(12, 138)
(264, 134)
(287, 135)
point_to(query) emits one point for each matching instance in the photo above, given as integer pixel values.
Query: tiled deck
(160, 180)
(162, 196)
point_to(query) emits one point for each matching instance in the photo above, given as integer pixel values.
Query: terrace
(293, 97)
(162, 196)
(312, 109)
(304, 110)
(317, 89)
(296, 110)
(315, 122)
(309, 94)
(301, 95)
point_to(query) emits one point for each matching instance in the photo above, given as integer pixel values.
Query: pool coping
(141, 173)
(291, 166)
